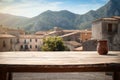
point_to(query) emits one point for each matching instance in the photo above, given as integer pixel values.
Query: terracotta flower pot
(102, 47)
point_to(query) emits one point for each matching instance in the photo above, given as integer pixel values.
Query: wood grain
(58, 62)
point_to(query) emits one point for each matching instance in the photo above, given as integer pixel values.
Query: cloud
(30, 8)
(84, 8)
(7, 0)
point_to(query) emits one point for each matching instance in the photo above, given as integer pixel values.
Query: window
(30, 40)
(10, 41)
(109, 27)
(24, 41)
(21, 46)
(17, 40)
(26, 46)
(4, 45)
(36, 40)
(35, 46)
(30, 46)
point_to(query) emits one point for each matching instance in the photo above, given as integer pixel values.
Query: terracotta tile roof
(85, 31)
(30, 36)
(117, 17)
(69, 34)
(73, 43)
(114, 18)
(78, 49)
(41, 33)
(6, 36)
(70, 30)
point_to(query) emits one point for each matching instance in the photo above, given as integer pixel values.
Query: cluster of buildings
(17, 40)
(75, 40)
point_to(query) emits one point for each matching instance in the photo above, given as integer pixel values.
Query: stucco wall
(84, 36)
(9, 45)
(97, 30)
(33, 43)
(100, 31)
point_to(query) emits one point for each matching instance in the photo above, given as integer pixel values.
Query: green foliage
(53, 44)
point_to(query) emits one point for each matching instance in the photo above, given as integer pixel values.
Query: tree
(53, 44)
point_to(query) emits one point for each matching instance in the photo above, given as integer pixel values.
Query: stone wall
(90, 45)
(97, 30)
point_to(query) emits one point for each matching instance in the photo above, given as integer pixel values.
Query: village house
(109, 29)
(72, 45)
(41, 33)
(73, 38)
(7, 42)
(29, 43)
(15, 32)
(85, 35)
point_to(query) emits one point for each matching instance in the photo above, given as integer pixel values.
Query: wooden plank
(3, 76)
(116, 76)
(63, 68)
(10, 75)
(58, 62)
(57, 58)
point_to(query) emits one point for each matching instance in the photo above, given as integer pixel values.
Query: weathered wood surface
(58, 58)
(58, 62)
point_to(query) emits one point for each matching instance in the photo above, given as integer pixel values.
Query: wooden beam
(10, 76)
(3, 75)
(116, 76)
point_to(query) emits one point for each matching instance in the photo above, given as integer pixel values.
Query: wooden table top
(58, 58)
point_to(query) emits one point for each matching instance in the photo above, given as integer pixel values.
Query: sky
(31, 8)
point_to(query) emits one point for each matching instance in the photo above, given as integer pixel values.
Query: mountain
(64, 19)
(11, 20)
(50, 19)
(108, 10)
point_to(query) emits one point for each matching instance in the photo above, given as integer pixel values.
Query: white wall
(97, 30)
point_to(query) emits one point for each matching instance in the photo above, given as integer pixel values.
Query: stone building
(72, 45)
(85, 35)
(7, 42)
(107, 28)
(15, 32)
(89, 45)
(71, 35)
(29, 43)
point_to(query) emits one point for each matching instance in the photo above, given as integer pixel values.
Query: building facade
(85, 35)
(29, 43)
(7, 42)
(109, 29)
